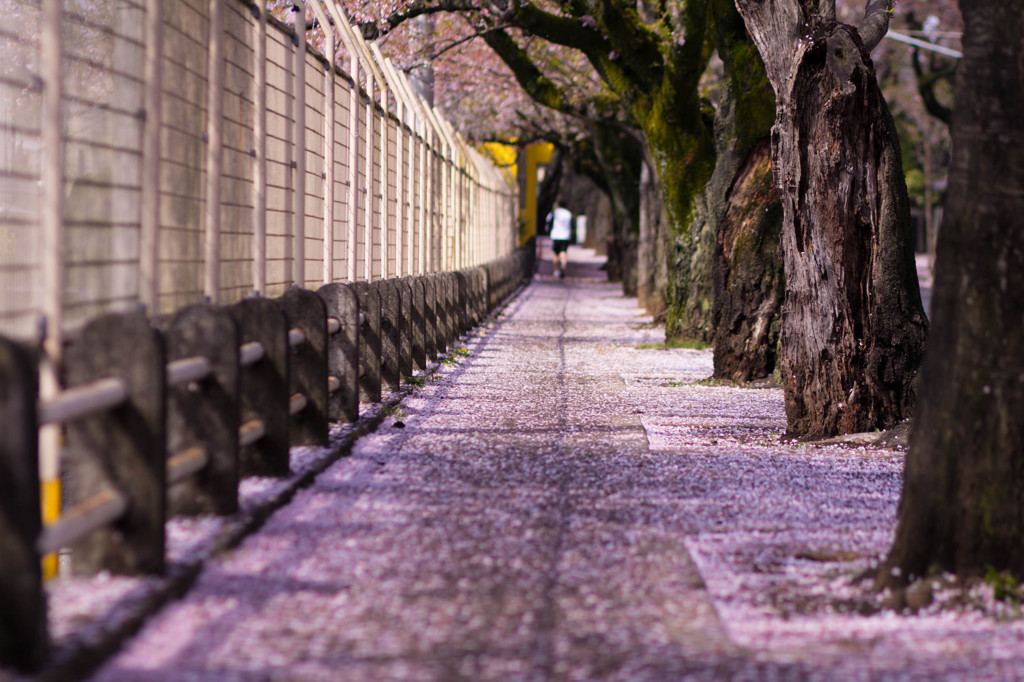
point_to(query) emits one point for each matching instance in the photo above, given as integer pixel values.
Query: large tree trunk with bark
(690, 258)
(853, 326)
(652, 276)
(749, 284)
(618, 159)
(963, 496)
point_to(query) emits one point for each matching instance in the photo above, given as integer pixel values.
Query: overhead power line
(949, 52)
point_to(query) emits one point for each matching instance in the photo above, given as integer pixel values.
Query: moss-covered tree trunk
(619, 156)
(748, 282)
(739, 286)
(853, 327)
(652, 67)
(680, 161)
(963, 496)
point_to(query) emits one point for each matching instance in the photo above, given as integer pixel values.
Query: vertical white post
(52, 217)
(426, 263)
(455, 175)
(368, 190)
(457, 213)
(52, 210)
(328, 265)
(299, 198)
(447, 262)
(149, 236)
(456, 216)
(214, 150)
(399, 178)
(410, 192)
(476, 226)
(383, 196)
(259, 149)
(442, 213)
(351, 210)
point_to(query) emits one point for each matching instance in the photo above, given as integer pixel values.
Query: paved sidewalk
(565, 501)
(489, 531)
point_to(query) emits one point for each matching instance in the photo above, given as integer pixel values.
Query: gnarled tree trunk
(654, 229)
(853, 327)
(963, 496)
(749, 284)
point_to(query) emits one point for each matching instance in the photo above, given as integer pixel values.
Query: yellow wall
(536, 154)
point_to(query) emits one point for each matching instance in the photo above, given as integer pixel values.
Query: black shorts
(559, 245)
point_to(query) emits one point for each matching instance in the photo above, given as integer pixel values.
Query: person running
(561, 233)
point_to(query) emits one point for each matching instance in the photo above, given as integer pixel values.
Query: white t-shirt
(561, 224)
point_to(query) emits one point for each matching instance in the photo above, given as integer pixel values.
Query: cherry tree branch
(417, 8)
(876, 22)
(476, 33)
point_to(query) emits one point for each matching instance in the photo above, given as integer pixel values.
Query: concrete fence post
(494, 282)
(492, 278)
(123, 448)
(308, 372)
(405, 326)
(476, 300)
(442, 336)
(451, 292)
(23, 638)
(441, 312)
(463, 302)
(205, 413)
(369, 341)
(509, 271)
(417, 322)
(390, 333)
(482, 299)
(343, 351)
(430, 335)
(264, 387)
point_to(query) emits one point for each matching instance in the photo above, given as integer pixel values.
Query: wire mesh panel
(390, 224)
(375, 195)
(102, 69)
(394, 194)
(314, 202)
(362, 194)
(186, 26)
(236, 229)
(342, 177)
(280, 121)
(20, 158)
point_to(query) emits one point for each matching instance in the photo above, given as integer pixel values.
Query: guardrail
(164, 417)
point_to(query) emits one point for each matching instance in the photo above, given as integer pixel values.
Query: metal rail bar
(186, 463)
(296, 336)
(251, 353)
(84, 518)
(297, 403)
(84, 400)
(185, 370)
(251, 431)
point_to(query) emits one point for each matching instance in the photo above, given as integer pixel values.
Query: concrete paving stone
(567, 502)
(478, 542)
